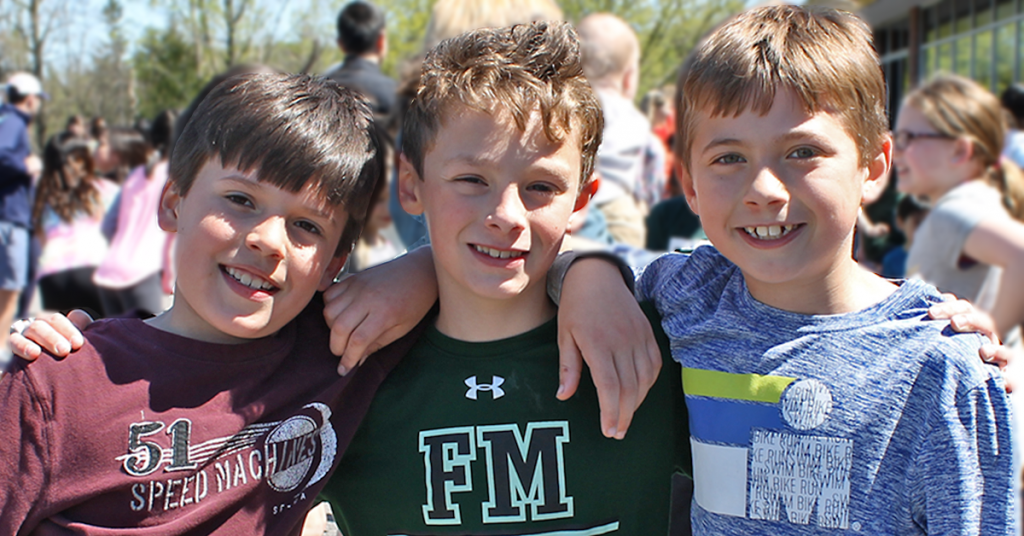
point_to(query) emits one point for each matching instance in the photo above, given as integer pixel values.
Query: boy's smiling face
(497, 202)
(250, 255)
(779, 194)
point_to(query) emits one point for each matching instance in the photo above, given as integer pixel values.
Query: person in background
(362, 36)
(131, 274)
(76, 126)
(120, 150)
(948, 139)
(611, 60)
(67, 215)
(1012, 100)
(657, 107)
(909, 214)
(18, 168)
(374, 247)
(450, 18)
(98, 134)
(672, 226)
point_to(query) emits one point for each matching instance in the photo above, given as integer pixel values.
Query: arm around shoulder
(371, 309)
(600, 322)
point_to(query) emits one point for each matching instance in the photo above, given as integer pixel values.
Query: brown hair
(66, 188)
(295, 129)
(960, 108)
(516, 69)
(823, 55)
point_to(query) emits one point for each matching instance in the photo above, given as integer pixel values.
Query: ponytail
(1009, 179)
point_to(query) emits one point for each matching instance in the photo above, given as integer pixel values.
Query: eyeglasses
(903, 138)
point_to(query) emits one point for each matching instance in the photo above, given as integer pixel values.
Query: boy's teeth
(769, 232)
(248, 280)
(496, 253)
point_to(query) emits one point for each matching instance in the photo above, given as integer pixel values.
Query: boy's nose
(766, 189)
(268, 237)
(509, 213)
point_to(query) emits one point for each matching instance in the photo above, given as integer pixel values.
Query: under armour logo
(494, 387)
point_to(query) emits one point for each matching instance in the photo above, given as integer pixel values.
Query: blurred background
(126, 59)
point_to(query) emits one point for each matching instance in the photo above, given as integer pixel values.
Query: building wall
(980, 39)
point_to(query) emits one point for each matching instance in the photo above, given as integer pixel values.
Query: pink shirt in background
(79, 243)
(138, 248)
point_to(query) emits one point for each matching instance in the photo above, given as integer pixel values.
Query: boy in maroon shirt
(224, 413)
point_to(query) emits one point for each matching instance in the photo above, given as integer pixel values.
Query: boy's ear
(170, 201)
(878, 173)
(588, 191)
(409, 183)
(333, 269)
(686, 183)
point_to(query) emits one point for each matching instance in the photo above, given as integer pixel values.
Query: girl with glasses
(947, 145)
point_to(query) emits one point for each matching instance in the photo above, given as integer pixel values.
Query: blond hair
(961, 108)
(517, 70)
(823, 55)
(449, 18)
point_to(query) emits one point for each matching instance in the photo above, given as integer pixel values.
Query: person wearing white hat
(18, 166)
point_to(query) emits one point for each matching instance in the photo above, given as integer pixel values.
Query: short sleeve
(964, 471)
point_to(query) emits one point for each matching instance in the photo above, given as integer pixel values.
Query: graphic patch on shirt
(525, 472)
(289, 456)
(755, 454)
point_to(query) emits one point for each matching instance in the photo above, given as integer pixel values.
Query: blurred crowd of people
(83, 229)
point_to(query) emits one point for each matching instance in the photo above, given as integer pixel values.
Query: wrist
(596, 265)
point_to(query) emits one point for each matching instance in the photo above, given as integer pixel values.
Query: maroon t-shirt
(145, 432)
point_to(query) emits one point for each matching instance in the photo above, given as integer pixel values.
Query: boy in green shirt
(463, 437)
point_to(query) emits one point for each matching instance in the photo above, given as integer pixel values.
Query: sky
(138, 15)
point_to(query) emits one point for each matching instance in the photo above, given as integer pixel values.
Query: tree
(407, 26)
(167, 73)
(34, 23)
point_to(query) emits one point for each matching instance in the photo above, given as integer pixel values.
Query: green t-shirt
(468, 438)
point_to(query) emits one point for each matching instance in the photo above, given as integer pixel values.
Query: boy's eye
(803, 152)
(542, 187)
(239, 199)
(731, 158)
(469, 179)
(309, 227)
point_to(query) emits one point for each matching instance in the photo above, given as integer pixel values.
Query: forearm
(371, 309)
(599, 265)
(1008, 310)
